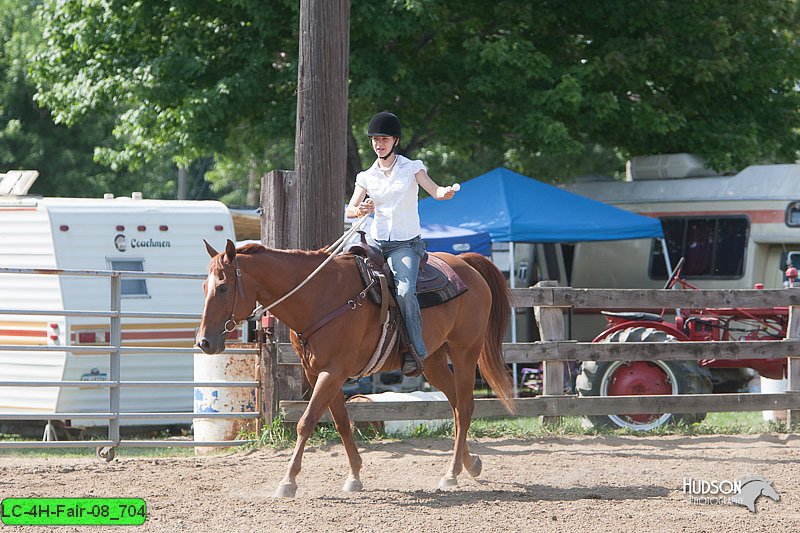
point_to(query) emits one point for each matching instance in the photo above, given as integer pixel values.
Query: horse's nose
(204, 345)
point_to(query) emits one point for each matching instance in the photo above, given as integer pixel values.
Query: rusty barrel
(223, 367)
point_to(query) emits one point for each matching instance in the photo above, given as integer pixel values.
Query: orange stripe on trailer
(184, 334)
(10, 324)
(155, 345)
(757, 216)
(22, 333)
(161, 344)
(22, 342)
(156, 325)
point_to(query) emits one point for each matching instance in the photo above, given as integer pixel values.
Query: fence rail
(551, 302)
(114, 349)
(561, 406)
(653, 298)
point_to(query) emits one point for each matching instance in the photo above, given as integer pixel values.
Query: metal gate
(115, 350)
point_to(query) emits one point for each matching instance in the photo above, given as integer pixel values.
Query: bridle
(230, 324)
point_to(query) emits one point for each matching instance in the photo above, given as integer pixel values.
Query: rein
(231, 324)
(332, 249)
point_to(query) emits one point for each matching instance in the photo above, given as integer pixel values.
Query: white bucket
(397, 426)
(223, 367)
(773, 386)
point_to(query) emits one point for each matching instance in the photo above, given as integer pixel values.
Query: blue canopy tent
(515, 208)
(440, 238)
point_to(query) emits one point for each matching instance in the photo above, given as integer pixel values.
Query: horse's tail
(490, 362)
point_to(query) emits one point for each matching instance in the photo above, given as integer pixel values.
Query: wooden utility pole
(305, 209)
(279, 223)
(321, 135)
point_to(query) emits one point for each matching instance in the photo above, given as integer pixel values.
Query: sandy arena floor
(570, 484)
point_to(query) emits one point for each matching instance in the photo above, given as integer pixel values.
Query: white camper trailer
(129, 234)
(734, 231)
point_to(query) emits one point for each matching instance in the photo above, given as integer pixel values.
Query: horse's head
(226, 299)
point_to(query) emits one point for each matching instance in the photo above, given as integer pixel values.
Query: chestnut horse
(468, 329)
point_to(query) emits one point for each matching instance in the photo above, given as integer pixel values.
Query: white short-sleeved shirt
(395, 198)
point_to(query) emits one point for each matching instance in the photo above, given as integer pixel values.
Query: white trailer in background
(128, 234)
(735, 231)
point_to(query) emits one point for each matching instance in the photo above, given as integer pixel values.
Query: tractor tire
(620, 378)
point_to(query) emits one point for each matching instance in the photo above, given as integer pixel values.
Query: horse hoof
(353, 485)
(477, 466)
(447, 482)
(285, 490)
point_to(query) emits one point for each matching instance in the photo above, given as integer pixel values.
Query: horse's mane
(253, 248)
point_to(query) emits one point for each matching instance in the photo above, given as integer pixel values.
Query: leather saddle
(437, 282)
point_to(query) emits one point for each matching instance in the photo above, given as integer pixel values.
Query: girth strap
(386, 297)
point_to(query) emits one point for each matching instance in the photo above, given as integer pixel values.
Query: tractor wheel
(620, 378)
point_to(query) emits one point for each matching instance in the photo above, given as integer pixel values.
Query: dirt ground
(550, 484)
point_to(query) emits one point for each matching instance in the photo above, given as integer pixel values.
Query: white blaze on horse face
(210, 287)
(211, 290)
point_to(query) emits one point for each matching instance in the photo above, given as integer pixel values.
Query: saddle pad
(437, 282)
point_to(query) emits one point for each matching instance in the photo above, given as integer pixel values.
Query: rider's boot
(412, 363)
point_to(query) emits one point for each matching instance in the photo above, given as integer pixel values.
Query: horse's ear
(210, 249)
(230, 250)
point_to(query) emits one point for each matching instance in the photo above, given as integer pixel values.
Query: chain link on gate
(106, 447)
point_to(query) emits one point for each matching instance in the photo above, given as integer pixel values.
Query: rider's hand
(365, 207)
(445, 193)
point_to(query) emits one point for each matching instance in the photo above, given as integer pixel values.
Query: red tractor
(625, 378)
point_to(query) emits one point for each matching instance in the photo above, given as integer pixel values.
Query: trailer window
(130, 286)
(712, 247)
(793, 215)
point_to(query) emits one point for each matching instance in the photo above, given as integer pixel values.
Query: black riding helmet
(385, 124)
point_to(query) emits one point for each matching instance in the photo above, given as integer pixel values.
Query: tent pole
(667, 260)
(668, 263)
(512, 275)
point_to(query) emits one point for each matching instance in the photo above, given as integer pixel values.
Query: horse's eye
(222, 289)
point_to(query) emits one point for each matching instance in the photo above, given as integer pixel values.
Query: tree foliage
(536, 85)
(548, 88)
(182, 77)
(28, 138)
(63, 155)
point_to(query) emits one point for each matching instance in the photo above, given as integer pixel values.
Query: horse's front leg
(325, 389)
(342, 422)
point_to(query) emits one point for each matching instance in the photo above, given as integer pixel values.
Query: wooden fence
(549, 303)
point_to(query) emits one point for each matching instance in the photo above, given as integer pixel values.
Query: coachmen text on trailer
(130, 234)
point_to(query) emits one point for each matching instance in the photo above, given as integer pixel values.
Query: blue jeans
(403, 258)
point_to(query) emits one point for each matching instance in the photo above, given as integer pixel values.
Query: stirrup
(412, 366)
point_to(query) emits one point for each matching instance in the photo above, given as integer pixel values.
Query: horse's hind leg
(325, 388)
(342, 422)
(439, 375)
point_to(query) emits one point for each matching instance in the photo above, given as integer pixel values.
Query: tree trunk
(321, 135)
(182, 182)
(252, 183)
